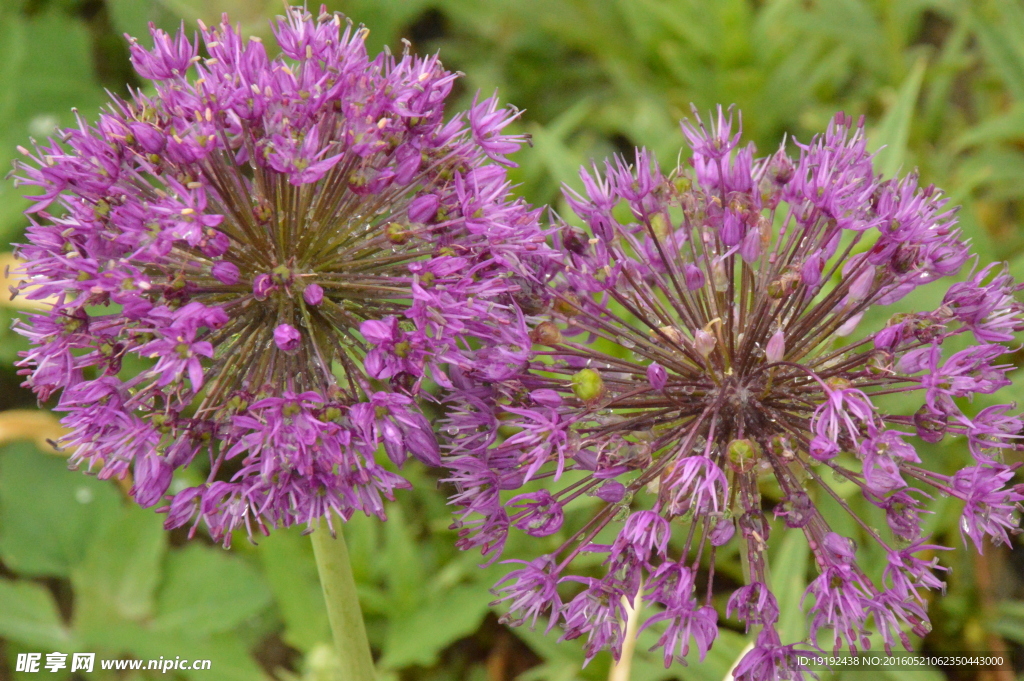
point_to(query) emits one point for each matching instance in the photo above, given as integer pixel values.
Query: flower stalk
(622, 667)
(355, 662)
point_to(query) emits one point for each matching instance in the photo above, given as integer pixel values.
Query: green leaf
(1010, 623)
(1000, 168)
(29, 615)
(563, 659)
(206, 591)
(894, 129)
(1013, 609)
(405, 570)
(546, 645)
(550, 154)
(552, 671)
(133, 17)
(118, 578)
(1011, 628)
(388, 20)
(46, 68)
(290, 570)
(251, 15)
(229, 658)
(1008, 126)
(48, 514)
(788, 582)
(998, 26)
(420, 637)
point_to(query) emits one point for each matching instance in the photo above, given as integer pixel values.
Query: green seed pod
(588, 385)
(743, 454)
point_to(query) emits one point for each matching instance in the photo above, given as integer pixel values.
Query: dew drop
(627, 343)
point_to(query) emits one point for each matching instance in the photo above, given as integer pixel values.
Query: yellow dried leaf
(8, 278)
(30, 424)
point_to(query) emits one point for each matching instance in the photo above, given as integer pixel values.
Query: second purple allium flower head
(258, 265)
(694, 368)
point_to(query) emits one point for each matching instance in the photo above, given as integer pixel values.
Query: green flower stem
(350, 642)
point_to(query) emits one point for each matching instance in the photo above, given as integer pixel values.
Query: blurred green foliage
(941, 84)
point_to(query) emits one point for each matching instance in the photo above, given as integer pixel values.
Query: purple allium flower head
(700, 346)
(255, 267)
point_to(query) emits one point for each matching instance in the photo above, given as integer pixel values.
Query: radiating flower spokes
(698, 357)
(260, 263)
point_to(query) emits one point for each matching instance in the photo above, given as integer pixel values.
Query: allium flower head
(699, 365)
(258, 264)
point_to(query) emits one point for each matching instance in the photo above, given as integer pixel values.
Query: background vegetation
(941, 84)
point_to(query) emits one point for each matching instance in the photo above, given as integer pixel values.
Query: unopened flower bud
(225, 272)
(719, 276)
(776, 348)
(810, 272)
(149, 138)
(313, 294)
(704, 342)
(861, 286)
(722, 531)
(611, 492)
(287, 338)
(657, 376)
(546, 397)
(694, 276)
(423, 208)
(732, 228)
(750, 247)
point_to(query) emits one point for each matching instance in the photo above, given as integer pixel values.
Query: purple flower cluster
(259, 264)
(696, 360)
